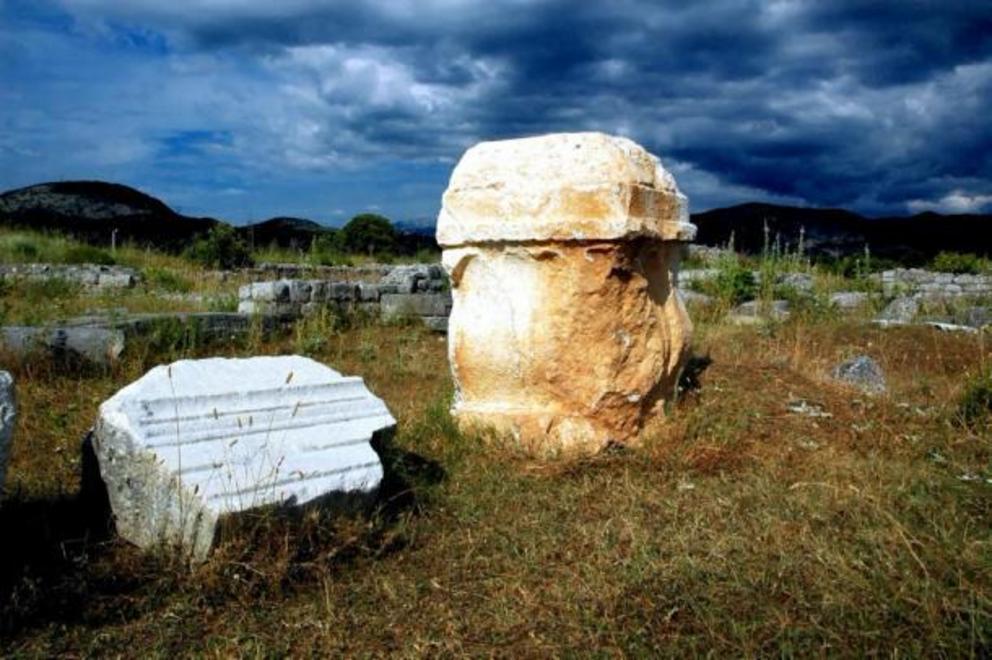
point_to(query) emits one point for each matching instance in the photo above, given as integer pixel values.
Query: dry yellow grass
(740, 528)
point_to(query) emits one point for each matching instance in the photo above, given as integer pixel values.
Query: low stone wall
(86, 275)
(419, 290)
(916, 281)
(368, 273)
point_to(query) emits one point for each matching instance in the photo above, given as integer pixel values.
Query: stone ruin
(562, 250)
(417, 291)
(197, 440)
(89, 276)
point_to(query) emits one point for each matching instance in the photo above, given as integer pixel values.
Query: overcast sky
(244, 109)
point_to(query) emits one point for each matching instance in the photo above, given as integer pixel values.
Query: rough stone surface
(848, 300)
(861, 372)
(411, 304)
(801, 282)
(567, 332)
(8, 415)
(910, 281)
(196, 440)
(561, 187)
(408, 290)
(754, 310)
(85, 275)
(901, 310)
(95, 345)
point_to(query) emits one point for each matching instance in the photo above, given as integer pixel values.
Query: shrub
(368, 233)
(26, 249)
(87, 254)
(221, 248)
(959, 263)
(325, 250)
(167, 280)
(976, 402)
(734, 282)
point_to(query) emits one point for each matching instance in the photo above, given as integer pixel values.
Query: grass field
(739, 528)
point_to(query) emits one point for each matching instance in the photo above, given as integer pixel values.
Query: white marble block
(195, 440)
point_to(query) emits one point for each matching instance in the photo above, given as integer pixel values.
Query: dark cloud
(877, 105)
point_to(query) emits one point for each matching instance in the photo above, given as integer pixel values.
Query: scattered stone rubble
(8, 416)
(88, 276)
(194, 441)
(861, 372)
(567, 332)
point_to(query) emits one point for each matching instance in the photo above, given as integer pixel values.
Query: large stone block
(196, 440)
(415, 304)
(96, 345)
(8, 416)
(562, 250)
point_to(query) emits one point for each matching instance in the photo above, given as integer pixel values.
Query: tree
(368, 233)
(221, 248)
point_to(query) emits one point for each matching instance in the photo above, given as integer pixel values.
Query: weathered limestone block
(415, 304)
(96, 345)
(562, 252)
(196, 440)
(8, 415)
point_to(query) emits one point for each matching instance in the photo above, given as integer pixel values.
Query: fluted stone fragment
(196, 440)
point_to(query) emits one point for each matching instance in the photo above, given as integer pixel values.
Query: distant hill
(835, 232)
(92, 210)
(417, 226)
(294, 233)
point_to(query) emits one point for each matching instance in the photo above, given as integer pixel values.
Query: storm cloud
(244, 108)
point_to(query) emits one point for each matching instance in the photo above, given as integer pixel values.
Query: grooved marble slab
(195, 440)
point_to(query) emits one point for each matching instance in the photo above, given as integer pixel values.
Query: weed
(87, 254)
(166, 280)
(734, 283)
(975, 404)
(960, 263)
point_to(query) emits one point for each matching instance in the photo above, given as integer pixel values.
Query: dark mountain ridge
(92, 210)
(837, 232)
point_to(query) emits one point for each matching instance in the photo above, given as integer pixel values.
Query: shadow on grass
(47, 543)
(62, 562)
(690, 378)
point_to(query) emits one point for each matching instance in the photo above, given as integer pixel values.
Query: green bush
(959, 263)
(221, 248)
(87, 254)
(167, 280)
(734, 282)
(369, 234)
(325, 250)
(25, 249)
(976, 402)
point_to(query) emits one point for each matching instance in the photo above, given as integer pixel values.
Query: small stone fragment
(849, 300)
(861, 372)
(901, 310)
